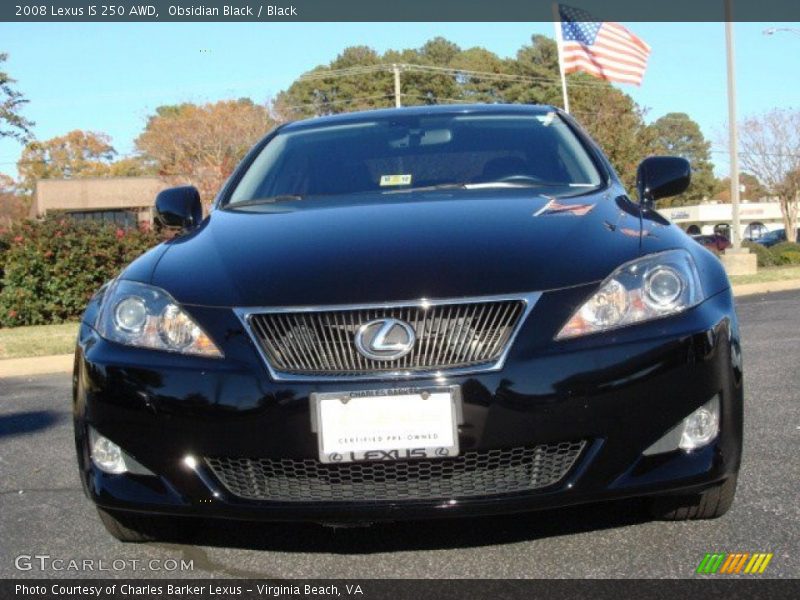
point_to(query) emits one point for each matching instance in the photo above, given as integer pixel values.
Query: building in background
(124, 201)
(757, 218)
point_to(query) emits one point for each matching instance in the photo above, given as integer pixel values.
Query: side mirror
(179, 207)
(661, 177)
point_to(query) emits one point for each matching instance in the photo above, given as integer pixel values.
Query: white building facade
(756, 218)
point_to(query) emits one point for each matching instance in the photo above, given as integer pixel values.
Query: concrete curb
(36, 365)
(62, 363)
(746, 289)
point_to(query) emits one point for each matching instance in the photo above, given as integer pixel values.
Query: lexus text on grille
(406, 314)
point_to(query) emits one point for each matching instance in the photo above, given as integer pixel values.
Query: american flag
(606, 50)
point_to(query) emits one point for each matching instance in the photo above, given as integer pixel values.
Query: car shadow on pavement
(420, 535)
(24, 422)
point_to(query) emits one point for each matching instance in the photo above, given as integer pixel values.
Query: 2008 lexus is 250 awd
(412, 313)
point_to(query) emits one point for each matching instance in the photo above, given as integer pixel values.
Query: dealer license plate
(394, 424)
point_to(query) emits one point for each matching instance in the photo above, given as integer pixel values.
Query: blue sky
(109, 77)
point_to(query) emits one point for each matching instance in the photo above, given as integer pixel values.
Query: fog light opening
(701, 427)
(106, 455)
(695, 431)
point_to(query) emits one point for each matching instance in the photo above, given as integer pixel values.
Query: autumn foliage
(202, 144)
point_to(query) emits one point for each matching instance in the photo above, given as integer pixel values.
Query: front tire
(138, 528)
(710, 504)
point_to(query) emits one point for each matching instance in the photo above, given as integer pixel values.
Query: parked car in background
(387, 317)
(775, 237)
(716, 243)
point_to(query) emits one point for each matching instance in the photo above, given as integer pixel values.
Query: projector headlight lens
(662, 287)
(131, 315)
(654, 286)
(136, 314)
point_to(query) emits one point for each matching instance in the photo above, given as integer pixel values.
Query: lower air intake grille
(475, 473)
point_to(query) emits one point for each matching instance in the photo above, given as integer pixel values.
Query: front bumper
(619, 392)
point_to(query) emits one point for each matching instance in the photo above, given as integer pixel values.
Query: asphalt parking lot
(43, 510)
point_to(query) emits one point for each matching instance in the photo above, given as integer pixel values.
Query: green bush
(786, 253)
(763, 254)
(790, 257)
(51, 268)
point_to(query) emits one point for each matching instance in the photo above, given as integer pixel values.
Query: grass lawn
(40, 340)
(766, 274)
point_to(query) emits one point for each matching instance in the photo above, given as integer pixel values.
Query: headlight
(651, 287)
(141, 315)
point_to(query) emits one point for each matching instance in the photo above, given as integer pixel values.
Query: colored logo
(722, 563)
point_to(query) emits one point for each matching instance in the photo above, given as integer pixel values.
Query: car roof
(427, 110)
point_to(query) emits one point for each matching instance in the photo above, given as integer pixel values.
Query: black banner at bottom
(398, 589)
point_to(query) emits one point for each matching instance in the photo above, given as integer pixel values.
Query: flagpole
(560, 44)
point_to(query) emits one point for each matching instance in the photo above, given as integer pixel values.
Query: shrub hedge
(51, 268)
(786, 253)
(763, 254)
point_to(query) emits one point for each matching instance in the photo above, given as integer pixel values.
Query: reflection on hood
(554, 207)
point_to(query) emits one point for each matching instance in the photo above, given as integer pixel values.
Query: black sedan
(385, 316)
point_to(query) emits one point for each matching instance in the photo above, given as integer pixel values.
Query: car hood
(374, 249)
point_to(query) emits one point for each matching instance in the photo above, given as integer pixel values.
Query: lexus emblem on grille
(385, 339)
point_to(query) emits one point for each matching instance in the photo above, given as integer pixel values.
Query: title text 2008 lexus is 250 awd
(412, 313)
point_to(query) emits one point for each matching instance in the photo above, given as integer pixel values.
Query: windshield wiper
(430, 188)
(483, 185)
(267, 200)
(514, 184)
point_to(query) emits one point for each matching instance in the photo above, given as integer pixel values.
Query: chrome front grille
(464, 334)
(474, 473)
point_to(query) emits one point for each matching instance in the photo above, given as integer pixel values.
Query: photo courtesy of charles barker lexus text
(350, 298)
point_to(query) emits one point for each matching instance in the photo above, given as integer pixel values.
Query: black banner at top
(384, 10)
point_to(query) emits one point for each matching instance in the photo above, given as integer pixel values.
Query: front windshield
(407, 153)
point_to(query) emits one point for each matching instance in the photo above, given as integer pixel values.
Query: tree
(76, 154)
(131, 166)
(789, 196)
(360, 78)
(439, 51)
(13, 204)
(678, 135)
(363, 82)
(12, 123)
(480, 88)
(753, 190)
(615, 121)
(202, 144)
(539, 62)
(770, 150)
